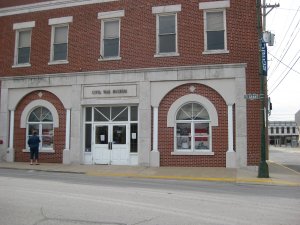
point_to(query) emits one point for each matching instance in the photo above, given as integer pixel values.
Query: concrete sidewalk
(279, 174)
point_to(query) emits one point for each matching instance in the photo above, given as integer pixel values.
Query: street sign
(252, 96)
(264, 57)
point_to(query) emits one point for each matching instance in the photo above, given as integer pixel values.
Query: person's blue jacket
(34, 141)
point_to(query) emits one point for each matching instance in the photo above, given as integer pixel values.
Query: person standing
(34, 142)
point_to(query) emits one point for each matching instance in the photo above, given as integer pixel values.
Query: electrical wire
(284, 76)
(286, 33)
(284, 63)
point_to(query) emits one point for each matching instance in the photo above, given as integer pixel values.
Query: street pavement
(283, 166)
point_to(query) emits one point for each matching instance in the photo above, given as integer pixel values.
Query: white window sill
(192, 153)
(21, 65)
(58, 62)
(209, 52)
(109, 59)
(41, 150)
(158, 55)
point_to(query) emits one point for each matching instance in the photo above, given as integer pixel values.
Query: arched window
(193, 129)
(41, 121)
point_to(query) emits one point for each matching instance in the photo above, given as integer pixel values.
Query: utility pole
(263, 170)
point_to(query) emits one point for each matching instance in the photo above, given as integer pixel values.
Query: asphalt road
(289, 157)
(44, 198)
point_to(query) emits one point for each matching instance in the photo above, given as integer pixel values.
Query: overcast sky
(284, 59)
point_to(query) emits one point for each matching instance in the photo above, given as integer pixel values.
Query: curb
(265, 181)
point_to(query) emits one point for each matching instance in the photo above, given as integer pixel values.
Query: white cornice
(55, 4)
(214, 5)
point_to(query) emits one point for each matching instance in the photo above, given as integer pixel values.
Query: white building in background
(284, 133)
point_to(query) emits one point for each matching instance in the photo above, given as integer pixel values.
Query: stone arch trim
(35, 104)
(212, 111)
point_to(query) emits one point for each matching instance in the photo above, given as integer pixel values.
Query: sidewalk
(279, 174)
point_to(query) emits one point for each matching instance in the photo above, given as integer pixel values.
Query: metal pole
(263, 170)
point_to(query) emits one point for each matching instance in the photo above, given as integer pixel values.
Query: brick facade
(59, 133)
(137, 50)
(219, 134)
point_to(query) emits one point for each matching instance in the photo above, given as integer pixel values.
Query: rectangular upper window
(215, 33)
(23, 43)
(59, 39)
(110, 35)
(166, 30)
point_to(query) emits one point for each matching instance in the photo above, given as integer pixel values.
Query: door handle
(109, 145)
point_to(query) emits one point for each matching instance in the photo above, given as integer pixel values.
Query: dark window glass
(119, 113)
(134, 113)
(88, 137)
(111, 47)
(119, 134)
(215, 40)
(88, 114)
(133, 137)
(167, 33)
(23, 55)
(167, 43)
(60, 51)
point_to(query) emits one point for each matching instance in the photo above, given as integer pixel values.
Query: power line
(284, 63)
(284, 39)
(284, 76)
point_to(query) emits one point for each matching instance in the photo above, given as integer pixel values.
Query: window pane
(88, 138)
(33, 127)
(111, 29)
(47, 136)
(102, 114)
(101, 135)
(133, 137)
(214, 21)
(60, 51)
(134, 113)
(183, 136)
(183, 129)
(201, 129)
(199, 112)
(47, 129)
(201, 134)
(167, 43)
(119, 113)
(61, 35)
(185, 113)
(88, 114)
(23, 55)
(215, 40)
(24, 39)
(35, 115)
(119, 134)
(46, 115)
(111, 47)
(167, 24)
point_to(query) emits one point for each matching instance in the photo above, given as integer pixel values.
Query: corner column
(230, 154)
(66, 153)
(10, 150)
(154, 154)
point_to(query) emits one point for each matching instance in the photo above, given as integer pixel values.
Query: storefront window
(192, 128)
(41, 121)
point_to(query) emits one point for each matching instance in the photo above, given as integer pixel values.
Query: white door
(101, 152)
(120, 144)
(111, 144)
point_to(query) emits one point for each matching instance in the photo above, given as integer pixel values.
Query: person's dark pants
(34, 153)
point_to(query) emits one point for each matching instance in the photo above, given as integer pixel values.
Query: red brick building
(154, 83)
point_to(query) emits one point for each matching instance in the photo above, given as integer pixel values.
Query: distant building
(283, 133)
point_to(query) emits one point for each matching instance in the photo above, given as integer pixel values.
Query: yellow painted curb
(269, 181)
